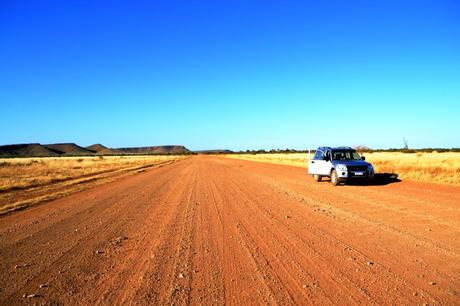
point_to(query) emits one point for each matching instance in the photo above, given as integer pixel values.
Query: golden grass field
(27, 181)
(433, 167)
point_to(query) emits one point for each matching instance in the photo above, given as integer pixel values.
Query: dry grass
(435, 167)
(27, 181)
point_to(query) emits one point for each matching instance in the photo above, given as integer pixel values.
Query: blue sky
(231, 74)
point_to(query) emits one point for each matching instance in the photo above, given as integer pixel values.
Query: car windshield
(345, 155)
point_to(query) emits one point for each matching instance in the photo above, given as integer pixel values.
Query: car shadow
(379, 180)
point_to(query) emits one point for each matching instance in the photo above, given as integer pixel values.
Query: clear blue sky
(231, 74)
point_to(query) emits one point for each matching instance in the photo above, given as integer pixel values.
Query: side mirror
(327, 158)
(363, 158)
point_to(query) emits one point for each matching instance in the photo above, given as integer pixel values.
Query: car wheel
(317, 177)
(334, 178)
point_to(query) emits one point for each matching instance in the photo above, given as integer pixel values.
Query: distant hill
(69, 149)
(96, 147)
(101, 149)
(174, 149)
(27, 149)
(72, 149)
(214, 151)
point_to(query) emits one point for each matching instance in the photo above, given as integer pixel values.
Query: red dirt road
(210, 230)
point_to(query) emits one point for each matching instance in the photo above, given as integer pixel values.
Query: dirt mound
(173, 149)
(27, 149)
(69, 149)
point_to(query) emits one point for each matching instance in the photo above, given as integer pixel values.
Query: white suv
(340, 164)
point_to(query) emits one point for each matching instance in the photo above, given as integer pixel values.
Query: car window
(345, 155)
(318, 155)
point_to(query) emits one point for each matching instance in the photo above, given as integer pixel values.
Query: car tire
(334, 178)
(317, 177)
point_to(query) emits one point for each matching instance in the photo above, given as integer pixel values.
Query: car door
(315, 163)
(324, 166)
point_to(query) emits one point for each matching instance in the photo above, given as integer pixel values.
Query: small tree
(361, 149)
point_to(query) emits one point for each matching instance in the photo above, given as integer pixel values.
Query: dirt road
(210, 230)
